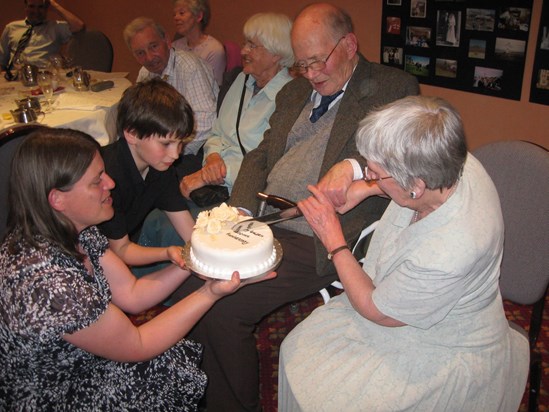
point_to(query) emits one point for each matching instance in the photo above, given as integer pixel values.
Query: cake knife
(269, 219)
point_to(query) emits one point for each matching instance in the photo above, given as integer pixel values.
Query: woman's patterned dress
(44, 293)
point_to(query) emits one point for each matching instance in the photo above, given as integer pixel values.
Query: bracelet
(337, 250)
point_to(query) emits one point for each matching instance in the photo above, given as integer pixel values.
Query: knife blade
(270, 219)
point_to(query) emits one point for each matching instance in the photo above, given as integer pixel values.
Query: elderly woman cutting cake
(421, 325)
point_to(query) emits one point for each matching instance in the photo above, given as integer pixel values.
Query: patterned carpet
(274, 328)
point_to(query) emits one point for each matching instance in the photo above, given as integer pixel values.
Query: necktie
(23, 41)
(323, 106)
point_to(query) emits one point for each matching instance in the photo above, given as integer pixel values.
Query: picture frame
(448, 28)
(393, 56)
(418, 36)
(480, 19)
(393, 25)
(446, 68)
(418, 8)
(477, 49)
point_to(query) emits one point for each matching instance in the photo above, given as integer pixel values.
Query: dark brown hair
(154, 108)
(48, 159)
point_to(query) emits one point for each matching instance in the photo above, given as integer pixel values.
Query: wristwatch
(337, 250)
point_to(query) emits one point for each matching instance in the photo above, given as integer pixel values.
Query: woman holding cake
(66, 341)
(250, 101)
(421, 324)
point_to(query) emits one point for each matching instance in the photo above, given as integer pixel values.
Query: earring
(413, 195)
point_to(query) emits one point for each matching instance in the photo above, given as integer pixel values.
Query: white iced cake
(217, 251)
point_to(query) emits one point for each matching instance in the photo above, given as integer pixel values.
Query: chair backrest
(228, 79)
(520, 171)
(232, 52)
(92, 50)
(10, 139)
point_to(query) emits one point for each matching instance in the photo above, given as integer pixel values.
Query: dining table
(92, 112)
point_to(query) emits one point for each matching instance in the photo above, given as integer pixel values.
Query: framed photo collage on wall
(477, 46)
(539, 90)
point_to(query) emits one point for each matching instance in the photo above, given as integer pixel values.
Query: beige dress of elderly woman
(443, 343)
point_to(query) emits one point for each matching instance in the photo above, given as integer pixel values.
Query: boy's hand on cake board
(175, 256)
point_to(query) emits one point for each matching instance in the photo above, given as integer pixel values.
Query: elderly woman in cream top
(421, 325)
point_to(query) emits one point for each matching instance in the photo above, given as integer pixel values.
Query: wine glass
(45, 82)
(57, 70)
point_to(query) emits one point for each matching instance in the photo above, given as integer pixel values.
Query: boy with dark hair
(153, 122)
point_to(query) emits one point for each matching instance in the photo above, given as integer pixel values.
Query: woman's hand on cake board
(222, 288)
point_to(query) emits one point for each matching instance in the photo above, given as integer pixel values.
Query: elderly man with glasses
(190, 75)
(311, 130)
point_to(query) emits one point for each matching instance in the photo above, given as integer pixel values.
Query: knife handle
(276, 201)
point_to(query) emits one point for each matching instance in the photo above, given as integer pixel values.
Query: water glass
(45, 81)
(79, 79)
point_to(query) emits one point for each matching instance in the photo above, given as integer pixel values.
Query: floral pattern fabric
(45, 293)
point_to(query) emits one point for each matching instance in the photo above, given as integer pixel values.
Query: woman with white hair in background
(248, 105)
(191, 17)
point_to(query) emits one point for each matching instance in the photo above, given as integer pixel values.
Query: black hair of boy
(154, 108)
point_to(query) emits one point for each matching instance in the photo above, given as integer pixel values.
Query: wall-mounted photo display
(539, 89)
(470, 45)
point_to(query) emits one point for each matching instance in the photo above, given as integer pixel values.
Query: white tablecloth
(90, 112)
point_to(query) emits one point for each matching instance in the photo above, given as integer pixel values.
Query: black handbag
(209, 195)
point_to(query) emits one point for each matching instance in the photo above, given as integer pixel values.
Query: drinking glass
(46, 85)
(17, 65)
(79, 79)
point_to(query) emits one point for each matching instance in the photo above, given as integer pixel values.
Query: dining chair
(520, 172)
(92, 50)
(10, 139)
(228, 79)
(232, 53)
(359, 249)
